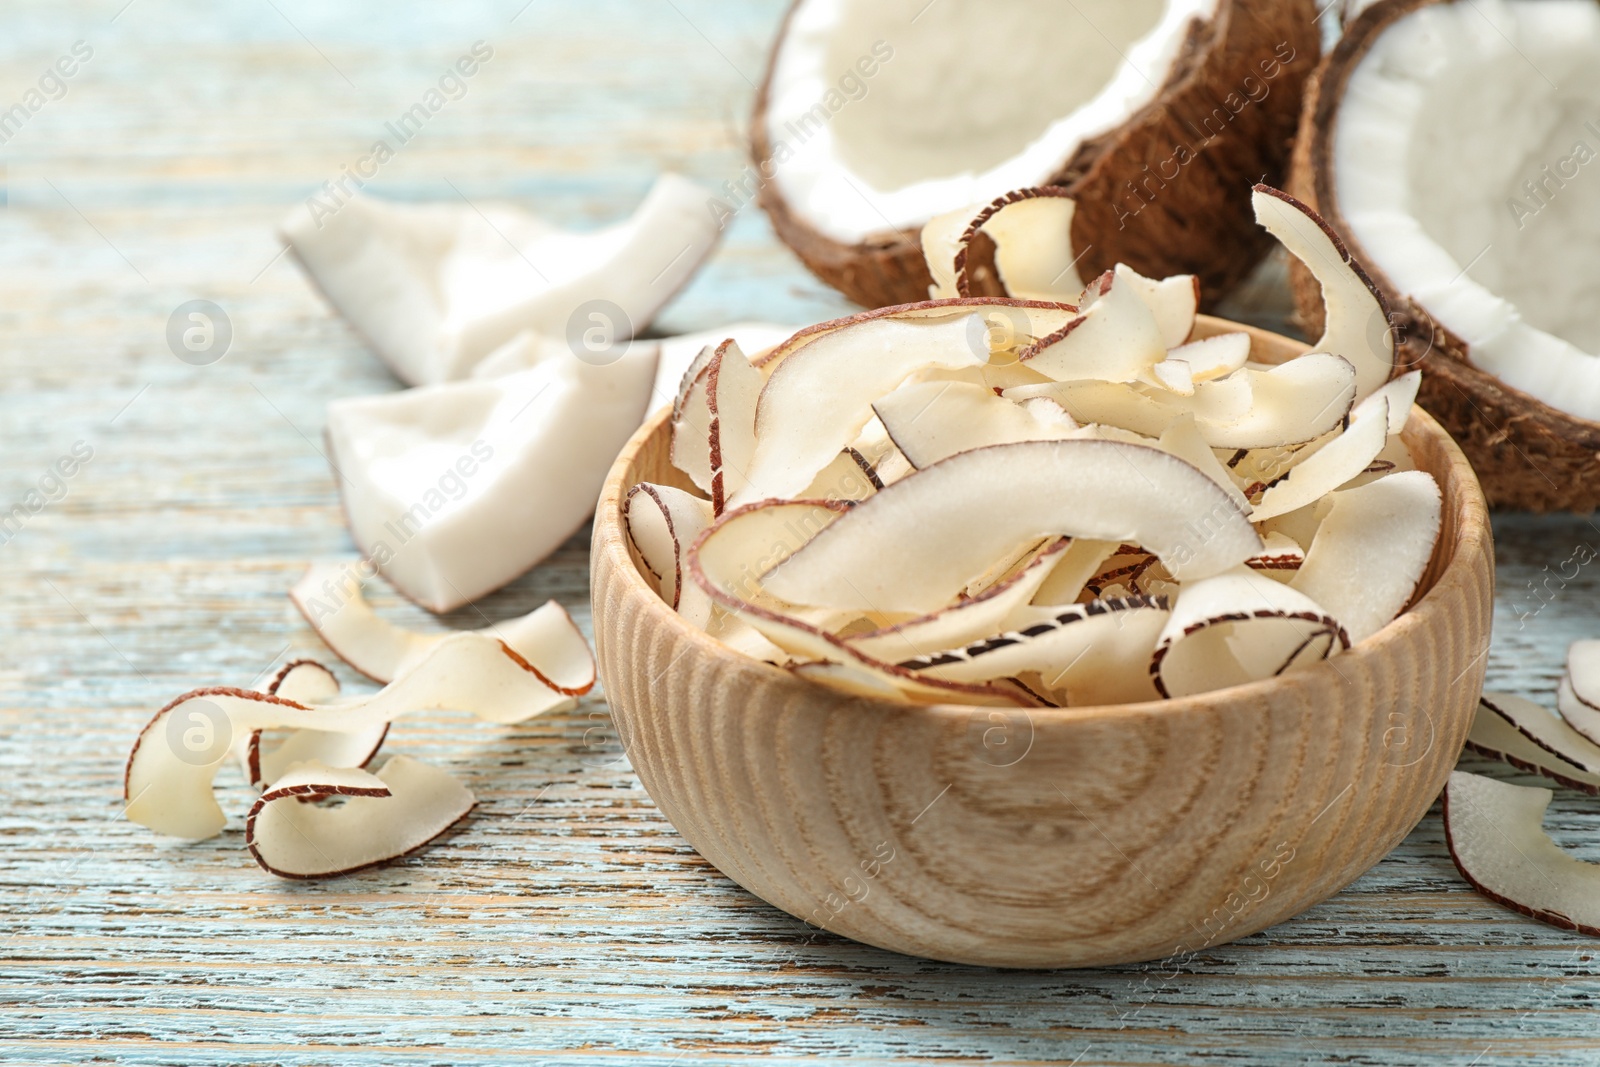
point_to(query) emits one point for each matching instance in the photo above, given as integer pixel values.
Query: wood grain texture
(1048, 837)
(565, 922)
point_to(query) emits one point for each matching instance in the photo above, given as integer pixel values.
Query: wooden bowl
(1059, 837)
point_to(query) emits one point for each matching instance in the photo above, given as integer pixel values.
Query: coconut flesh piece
(931, 420)
(937, 131)
(720, 559)
(913, 545)
(1579, 695)
(1329, 467)
(170, 791)
(453, 490)
(1494, 735)
(1252, 408)
(1547, 730)
(1174, 301)
(329, 596)
(1357, 319)
(399, 809)
(1031, 231)
(1211, 358)
(1495, 833)
(820, 397)
(1485, 216)
(1116, 339)
(1371, 549)
(662, 521)
(435, 288)
(305, 681)
(1240, 627)
(714, 421)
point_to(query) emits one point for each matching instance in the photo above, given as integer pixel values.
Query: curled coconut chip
(1495, 833)
(1495, 734)
(382, 816)
(306, 681)
(168, 783)
(437, 288)
(1579, 695)
(1084, 506)
(329, 596)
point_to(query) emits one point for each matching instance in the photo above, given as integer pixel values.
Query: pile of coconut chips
(1044, 502)
(319, 810)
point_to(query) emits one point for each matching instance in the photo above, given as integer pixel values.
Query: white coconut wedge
(383, 816)
(913, 545)
(1154, 116)
(1546, 729)
(1494, 736)
(1477, 223)
(1240, 627)
(1370, 551)
(662, 522)
(174, 760)
(929, 421)
(435, 288)
(1495, 833)
(329, 596)
(453, 490)
(1356, 317)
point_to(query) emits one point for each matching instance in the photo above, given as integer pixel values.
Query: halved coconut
(435, 288)
(1154, 115)
(1495, 833)
(1477, 219)
(453, 490)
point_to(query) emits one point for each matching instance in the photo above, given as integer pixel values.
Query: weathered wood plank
(565, 922)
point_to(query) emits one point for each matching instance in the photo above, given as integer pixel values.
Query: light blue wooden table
(565, 922)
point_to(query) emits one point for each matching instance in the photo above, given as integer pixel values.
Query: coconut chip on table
(1494, 829)
(320, 812)
(1087, 505)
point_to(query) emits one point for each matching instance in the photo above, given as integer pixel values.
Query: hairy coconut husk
(1196, 222)
(1526, 453)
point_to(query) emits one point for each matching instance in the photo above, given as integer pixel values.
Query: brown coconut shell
(1526, 453)
(1202, 127)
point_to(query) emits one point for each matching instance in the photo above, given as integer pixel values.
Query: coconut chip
(1493, 735)
(1495, 834)
(1579, 695)
(306, 681)
(380, 817)
(168, 784)
(329, 596)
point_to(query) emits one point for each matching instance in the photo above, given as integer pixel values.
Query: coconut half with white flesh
(876, 116)
(1452, 146)
(435, 288)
